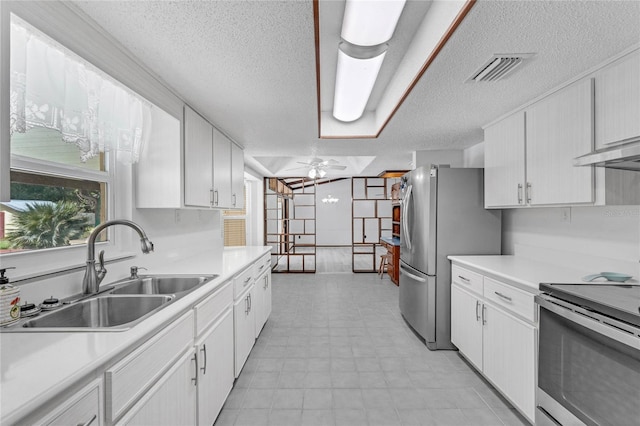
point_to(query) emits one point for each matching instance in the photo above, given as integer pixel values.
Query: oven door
(588, 367)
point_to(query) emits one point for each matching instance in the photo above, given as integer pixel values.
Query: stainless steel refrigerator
(442, 214)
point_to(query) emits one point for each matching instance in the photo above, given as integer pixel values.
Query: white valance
(52, 87)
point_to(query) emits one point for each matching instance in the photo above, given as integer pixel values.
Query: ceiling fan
(318, 167)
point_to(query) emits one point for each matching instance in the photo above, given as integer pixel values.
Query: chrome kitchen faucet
(92, 276)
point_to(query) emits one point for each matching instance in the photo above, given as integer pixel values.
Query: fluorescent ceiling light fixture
(370, 22)
(355, 76)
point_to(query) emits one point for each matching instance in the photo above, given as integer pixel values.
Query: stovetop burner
(620, 301)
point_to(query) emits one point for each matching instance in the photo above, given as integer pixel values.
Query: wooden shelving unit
(371, 213)
(290, 224)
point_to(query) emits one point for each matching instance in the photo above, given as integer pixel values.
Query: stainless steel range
(589, 354)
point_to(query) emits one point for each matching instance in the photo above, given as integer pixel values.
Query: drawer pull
(95, 416)
(245, 282)
(503, 296)
(194, 379)
(204, 367)
(464, 278)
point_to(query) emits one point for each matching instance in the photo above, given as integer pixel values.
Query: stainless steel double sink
(120, 306)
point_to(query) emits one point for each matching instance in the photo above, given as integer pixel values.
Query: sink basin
(161, 284)
(101, 312)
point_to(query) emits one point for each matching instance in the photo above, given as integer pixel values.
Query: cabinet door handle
(503, 296)
(249, 296)
(484, 314)
(211, 197)
(194, 379)
(246, 305)
(234, 200)
(477, 313)
(91, 420)
(528, 192)
(204, 367)
(519, 193)
(464, 279)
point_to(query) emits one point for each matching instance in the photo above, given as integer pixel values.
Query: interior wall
(333, 221)
(425, 158)
(594, 239)
(474, 156)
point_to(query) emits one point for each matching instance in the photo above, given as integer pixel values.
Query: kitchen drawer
(242, 281)
(130, 378)
(210, 309)
(472, 281)
(519, 302)
(262, 265)
(85, 407)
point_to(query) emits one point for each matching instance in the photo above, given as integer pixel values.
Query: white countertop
(34, 367)
(521, 272)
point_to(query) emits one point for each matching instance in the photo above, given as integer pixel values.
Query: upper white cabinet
(504, 175)
(198, 160)
(529, 155)
(559, 129)
(237, 177)
(617, 98)
(221, 170)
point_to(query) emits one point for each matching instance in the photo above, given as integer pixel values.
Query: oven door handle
(619, 331)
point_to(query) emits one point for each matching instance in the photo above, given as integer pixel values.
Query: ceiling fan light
(370, 22)
(355, 78)
(313, 173)
(322, 173)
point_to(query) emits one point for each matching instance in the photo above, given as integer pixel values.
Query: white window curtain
(52, 87)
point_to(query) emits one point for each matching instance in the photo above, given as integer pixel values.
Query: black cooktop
(619, 301)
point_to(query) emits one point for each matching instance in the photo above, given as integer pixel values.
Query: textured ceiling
(249, 66)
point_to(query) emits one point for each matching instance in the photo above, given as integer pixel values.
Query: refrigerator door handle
(410, 275)
(405, 210)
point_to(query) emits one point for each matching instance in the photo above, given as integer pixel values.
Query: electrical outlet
(565, 214)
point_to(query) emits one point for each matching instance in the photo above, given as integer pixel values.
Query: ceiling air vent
(498, 67)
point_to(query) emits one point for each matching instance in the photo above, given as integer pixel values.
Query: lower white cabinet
(83, 408)
(466, 325)
(215, 368)
(263, 300)
(244, 324)
(171, 401)
(494, 327)
(509, 357)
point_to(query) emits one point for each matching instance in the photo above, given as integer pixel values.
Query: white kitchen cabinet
(504, 173)
(129, 380)
(494, 326)
(617, 101)
(215, 367)
(263, 300)
(237, 177)
(83, 408)
(221, 170)
(560, 128)
(509, 357)
(466, 325)
(172, 400)
(244, 324)
(529, 155)
(198, 160)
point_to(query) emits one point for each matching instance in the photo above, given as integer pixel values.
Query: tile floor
(336, 351)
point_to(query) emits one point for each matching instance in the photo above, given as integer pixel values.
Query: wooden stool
(384, 262)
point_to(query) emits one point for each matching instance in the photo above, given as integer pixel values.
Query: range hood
(623, 157)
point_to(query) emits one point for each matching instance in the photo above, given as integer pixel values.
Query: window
(235, 225)
(69, 122)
